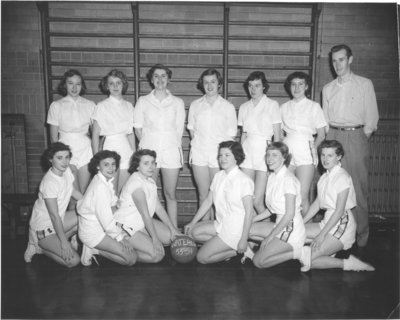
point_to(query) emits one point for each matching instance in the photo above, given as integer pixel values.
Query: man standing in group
(350, 108)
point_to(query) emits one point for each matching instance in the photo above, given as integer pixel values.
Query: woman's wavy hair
(158, 66)
(209, 72)
(101, 155)
(62, 86)
(298, 75)
(49, 153)
(256, 75)
(137, 156)
(283, 149)
(103, 85)
(236, 148)
(332, 144)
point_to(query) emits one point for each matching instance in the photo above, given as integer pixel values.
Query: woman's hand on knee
(158, 248)
(188, 228)
(67, 253)
(317, 242)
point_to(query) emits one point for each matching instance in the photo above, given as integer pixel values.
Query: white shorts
(170, 158)
(120, 144)
(295, 235)
(231, 239)
(91, 233)
(130, 221)
(80, 147)
(204, 157)
(303, 151)
(344, 230)
(41, 234)
(254, 148)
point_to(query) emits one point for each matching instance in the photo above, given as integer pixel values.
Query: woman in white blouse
(138, 204)
(283, 240)
(69, 119)
(231, 192)
(302, 118)
(52, 227)
(159, 122)
(113, 119)
(97, 228)
(337, 230)
(260, 120)
(211, 120)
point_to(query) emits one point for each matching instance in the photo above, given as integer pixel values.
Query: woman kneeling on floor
(138, 203)
(97, 228)
(51, 225)
(231, 192)
(283, 240)
(337, 231)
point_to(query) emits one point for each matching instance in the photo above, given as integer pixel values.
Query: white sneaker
(248, 254)
(29, 252)
(305, 259)
(355, 264)
(32, 247)
(74, 242)
(88, 255)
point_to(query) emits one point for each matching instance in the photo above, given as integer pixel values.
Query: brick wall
(21, 78)
(13, 154)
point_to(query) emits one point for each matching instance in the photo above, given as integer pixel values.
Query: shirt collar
(334, 169)
(261, 102)
(204, 100)
(153, 97)
(104, 179)
(281, 172)
(348, 79)
(301, 101)
(70, 99)
(115, 100)
(141, 177)
(233, 172)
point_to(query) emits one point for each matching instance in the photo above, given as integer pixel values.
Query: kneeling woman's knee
(131, 259)
(202, 257)
(257, 261)
(158, 257)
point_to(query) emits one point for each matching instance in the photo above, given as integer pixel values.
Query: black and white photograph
(200, 160)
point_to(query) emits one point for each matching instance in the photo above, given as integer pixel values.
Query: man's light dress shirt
(351, 103)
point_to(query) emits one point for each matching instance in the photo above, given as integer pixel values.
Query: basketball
(183, 249)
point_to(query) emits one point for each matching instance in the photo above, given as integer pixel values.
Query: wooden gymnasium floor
(227, 290)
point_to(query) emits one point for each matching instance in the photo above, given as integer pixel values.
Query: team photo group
(256, 196)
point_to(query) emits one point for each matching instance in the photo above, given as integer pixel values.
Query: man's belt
(347, 128)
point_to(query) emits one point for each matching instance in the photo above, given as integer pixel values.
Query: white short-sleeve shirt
(162, 122)
(127, 206)
(95, 206)
(211, 124)
(259, 120)
(71, 116)
(114, 116)
(279, 184)
(228, 191)
(52, 186)
(302, 118)
(330, 185)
